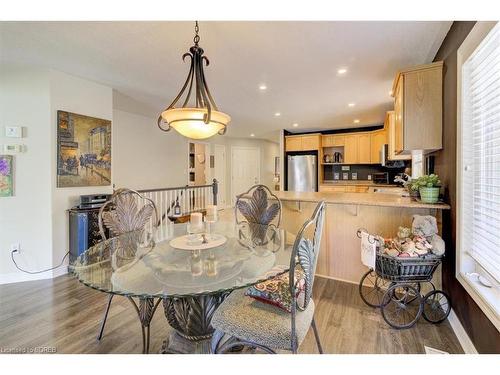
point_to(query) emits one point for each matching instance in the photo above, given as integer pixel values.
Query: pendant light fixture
(200, 118)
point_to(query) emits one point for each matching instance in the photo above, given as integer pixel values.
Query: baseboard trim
(461, 334)
(19, 277)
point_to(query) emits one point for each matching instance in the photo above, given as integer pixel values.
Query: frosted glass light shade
(189, 122)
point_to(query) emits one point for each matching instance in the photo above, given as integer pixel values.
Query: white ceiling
(298, 62)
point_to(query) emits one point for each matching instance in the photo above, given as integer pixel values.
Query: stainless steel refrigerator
(302, 173)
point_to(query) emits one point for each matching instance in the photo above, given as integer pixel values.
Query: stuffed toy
(426, 227)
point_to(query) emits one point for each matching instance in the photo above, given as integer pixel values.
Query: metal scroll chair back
(127, 211)
(304, 257)
(260, 209)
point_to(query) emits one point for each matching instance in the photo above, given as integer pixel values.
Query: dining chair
(260, 209)
(128, 211)
(244, 321)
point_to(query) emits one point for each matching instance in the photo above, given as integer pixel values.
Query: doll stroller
(395, 287)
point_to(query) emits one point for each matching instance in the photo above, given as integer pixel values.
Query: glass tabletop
(171, 263)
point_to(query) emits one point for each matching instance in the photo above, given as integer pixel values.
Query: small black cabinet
(83, 230)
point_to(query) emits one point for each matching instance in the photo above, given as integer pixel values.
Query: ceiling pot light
(201, 119)
(262, 87)
(342, 71)
(356, 121)
(351, 104)
(295, 125)
(277, 114)
(252, 135)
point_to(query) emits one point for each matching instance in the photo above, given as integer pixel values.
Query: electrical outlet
(15, 247)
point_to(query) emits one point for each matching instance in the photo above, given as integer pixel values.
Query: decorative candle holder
(196, 263)
(210, 218)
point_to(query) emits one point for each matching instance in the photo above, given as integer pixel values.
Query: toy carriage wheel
(372, 289)
(402, 312)
(401, 291)
(437, 306)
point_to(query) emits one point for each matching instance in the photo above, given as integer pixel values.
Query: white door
(245, 169)
(220, 173)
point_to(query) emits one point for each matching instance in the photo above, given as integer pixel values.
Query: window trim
(464, 262)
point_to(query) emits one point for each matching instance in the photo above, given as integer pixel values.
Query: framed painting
(6, 176)
(83, 150)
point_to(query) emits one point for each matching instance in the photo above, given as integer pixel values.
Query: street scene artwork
(83, 150)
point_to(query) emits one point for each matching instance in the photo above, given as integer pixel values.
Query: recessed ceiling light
(351, 104)
(295, 125)
(342, 71)
(390, 93)
(277, 114)
(356, 121)
(262, 87)
(252, 135)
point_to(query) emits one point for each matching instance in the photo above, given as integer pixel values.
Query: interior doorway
(245, 169)
(198, 164)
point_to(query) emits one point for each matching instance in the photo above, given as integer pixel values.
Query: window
(479, 166)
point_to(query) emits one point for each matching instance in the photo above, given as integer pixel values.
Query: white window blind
(481, 154)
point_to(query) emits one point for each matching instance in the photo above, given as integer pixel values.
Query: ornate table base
(190, 317)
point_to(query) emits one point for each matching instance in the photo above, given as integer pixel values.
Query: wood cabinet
(302, 142)
(343, 189)
(351, 149)
(332, 140)
(378, 140)
(364, 148)
(390, 127)
(310, 142)
(332, 189)
(293, 143)
(357, 148)
(418, 108)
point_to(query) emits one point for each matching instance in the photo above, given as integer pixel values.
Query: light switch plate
(14, 131)
(354, 175)
(13, 148)
(345, 176)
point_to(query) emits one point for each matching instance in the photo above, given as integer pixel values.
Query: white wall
(72, 94)
(144, 156)
(25, 218)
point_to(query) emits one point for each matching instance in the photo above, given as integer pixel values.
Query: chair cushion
(252, 320)
(277, 291)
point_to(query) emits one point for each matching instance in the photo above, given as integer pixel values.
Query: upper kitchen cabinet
(364, 148)
(302, 142)
(389, 126)
(378, 140)
(332, 140)
(418, 107)
(351, 148)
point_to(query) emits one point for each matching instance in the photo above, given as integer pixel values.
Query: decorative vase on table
(429, 194)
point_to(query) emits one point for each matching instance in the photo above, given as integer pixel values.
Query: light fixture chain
(196, 38)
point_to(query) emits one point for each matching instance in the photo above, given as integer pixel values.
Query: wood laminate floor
(65, 314)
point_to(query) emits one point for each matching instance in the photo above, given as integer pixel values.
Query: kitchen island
(378, 213)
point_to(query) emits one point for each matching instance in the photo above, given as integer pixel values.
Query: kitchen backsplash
(361, 171)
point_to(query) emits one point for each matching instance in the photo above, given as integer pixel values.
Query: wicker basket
(406, 269)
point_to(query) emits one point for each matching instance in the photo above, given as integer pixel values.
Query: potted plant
(428, 186)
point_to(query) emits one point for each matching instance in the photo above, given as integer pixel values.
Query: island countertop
(365, 199)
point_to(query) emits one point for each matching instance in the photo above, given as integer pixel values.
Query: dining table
(189, 274)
